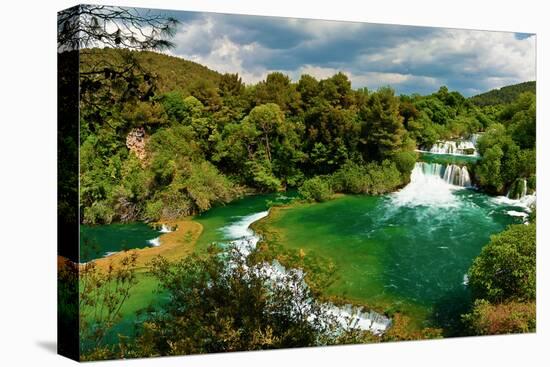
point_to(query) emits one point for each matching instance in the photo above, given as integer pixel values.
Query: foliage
(503, 95)
(101, 296)
(508, 148)
(373, 178)
(505, 318)
(315, 189)
(506, 268)
(220, 302)
(383, 127)
(273, 135)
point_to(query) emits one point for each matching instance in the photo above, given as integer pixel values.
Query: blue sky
(410, 59)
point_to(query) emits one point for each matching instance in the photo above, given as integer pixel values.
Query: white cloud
(470, 61)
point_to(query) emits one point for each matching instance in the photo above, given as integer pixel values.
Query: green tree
(383, 128)
(506, 268)
(223, 302)
(267, 118)
(316, 189)
(506, 318)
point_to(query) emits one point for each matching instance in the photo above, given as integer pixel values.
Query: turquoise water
(412, 259)
(447, 158)
(99, 241)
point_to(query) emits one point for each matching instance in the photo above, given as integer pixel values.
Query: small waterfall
(474, 138)
(518, 189)
(452, 174)
(444, 147)
(165, 229)
(155, 242)
(240, 235)
(433, 184)
(456, 175)
(457, 147)
(523, 188)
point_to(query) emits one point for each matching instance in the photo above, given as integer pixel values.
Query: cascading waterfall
(240, 235)
(456, 175)
(452, 174)
(432, 184)
(165, 229)
(518, 190)
(458, 147)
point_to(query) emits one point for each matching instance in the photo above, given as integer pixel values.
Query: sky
(409, 59)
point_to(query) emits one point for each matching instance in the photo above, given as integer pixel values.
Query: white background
(28, 182)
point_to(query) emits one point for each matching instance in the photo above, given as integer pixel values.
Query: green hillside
(503, 95)
(172, 73)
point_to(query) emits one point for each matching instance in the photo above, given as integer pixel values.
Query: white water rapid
(165, 229)
(155, 242)
(457, 147)
(433, 184)
(245, 240)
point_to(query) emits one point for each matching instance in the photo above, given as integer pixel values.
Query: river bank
(172, 245)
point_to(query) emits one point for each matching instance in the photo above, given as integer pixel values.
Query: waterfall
(155, 242)
(433, 184)
(452, 174)
(518, 189)
(474, 138)
(165, 229)
(523, 188)
(458, 147)
(456, 175)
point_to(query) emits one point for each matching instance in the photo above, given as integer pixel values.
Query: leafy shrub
(384, 177)
(351, 178)
(153, 210)
(404, 161)
(315, 189)
(100, 212)
(505, 269)
(512, 317)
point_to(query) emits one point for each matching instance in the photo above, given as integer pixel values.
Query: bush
(384, 177)
(351, 178)
(100, 212)
(374, 178)
(404, 161)
(153, 210)
(505, 269)
(262, 176)
(513, 317)
(206, 186)
(315, 189)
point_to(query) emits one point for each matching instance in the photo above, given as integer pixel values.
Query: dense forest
(503, 95)
(172, 138)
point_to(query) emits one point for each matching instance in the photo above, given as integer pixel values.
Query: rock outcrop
(136, 141)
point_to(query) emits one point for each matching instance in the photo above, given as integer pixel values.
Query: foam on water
(245, 240)
(241, 228)
(526, 202)
(165, 229)
(514, 213)
(155, 242)
(427, 188)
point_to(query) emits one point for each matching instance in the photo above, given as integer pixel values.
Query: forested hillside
(166, 137)
(503, 95)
